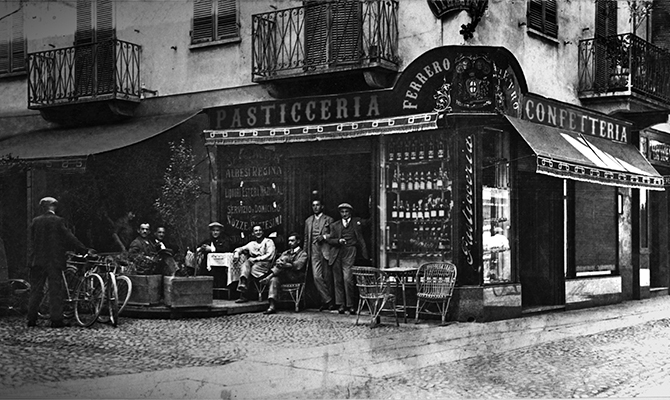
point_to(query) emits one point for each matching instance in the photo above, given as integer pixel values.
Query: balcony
(625, 72)
(92, 83)
(338, 39)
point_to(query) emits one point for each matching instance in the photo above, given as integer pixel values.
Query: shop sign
(468, 204)
(659, 151)
(303, 111)
(252, 191)
(565, 116)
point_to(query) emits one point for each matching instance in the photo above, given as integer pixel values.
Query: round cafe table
(400, 274)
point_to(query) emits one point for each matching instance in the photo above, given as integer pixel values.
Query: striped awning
(586, 158)
(307, 133)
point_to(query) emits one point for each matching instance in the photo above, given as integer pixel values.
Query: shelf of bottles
(419, 199)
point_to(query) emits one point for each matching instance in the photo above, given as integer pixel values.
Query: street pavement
(618, 351)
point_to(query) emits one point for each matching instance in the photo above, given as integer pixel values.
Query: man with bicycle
(49, 241)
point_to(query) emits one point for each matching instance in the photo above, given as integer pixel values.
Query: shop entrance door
(659, 257)
(541, 243)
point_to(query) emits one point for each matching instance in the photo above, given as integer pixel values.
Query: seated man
(166, 253)
(289, 268)
(216, 243)
(142, 251)
(255, 258)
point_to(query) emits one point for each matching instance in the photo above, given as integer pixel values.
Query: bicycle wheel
(124, 287)
(89, 296)
(113, 300)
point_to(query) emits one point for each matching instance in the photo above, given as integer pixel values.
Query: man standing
(255, 258)
(142, 250)
(49, 240)
(289, 268)
(346, 236)
(317, 227)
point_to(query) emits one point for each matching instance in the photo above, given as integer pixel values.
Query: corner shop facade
(530, 197)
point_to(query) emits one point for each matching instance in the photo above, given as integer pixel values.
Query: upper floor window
(542, 17)
(12, 41)
(214, 20)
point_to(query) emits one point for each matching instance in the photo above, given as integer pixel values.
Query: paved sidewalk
(287, 373)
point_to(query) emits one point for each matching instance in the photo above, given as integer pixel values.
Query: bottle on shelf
(394, 210)
(426, 210)
(394, 242)
(429, 180)
(408, 211)
(401, 211)
(415, 212)
(391, 151)
(422, 181)
(431, 148)
(433, 208)
(406, 150)
(394, 180)
(421, 154)
(440, 148)
(412, 150)
(398, 150)
(403, 183)
(410, 181)
(441, 210)
(439, 181)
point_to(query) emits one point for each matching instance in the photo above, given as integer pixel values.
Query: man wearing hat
(345, 239)
(49, 240)
(216, 243)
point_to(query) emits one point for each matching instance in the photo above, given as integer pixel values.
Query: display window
(419, 199)
(596, 227)
(496, 208)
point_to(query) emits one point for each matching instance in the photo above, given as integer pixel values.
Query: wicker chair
(295, 291)
(435, 284)
(374, 292)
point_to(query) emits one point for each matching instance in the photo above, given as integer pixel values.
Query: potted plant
(177, 207)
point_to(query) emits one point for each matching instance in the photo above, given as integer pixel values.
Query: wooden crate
(192, 291)
(147, 289)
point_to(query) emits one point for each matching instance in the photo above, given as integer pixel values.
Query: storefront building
(528, 196)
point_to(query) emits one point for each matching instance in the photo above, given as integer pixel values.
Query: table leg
(404, 299)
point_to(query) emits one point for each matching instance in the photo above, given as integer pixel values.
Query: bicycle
(84, 290)
(118, 288)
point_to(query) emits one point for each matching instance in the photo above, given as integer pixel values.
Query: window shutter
(226, 19)
(84, 32)
(104, 22)
(105, 47)
(535, 15)
(18, 44)
(550, 18)
(346, 31)
(316, 32)
(4, 46)
(203, 24)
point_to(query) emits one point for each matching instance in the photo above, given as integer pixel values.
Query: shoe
(241, 300)
(269, 311)
(58, 324)
(31, 324)
(326, 306)
(341, 310)
(352, 311)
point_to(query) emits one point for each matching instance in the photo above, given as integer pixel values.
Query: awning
(61, 143)
(586, 158)
(341, 130)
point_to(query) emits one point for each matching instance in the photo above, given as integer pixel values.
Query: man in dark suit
(288, 268)
(346, 238)
(317, 227)
(49, 240)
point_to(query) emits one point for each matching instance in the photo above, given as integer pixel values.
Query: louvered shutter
(105, 47)
(5, 36)
(83, 53)
(203, 23)
(18, 44)
(345, 33)
(226, 19)
(316, 32)
(605, 29)
(535, 15)
(550, 18)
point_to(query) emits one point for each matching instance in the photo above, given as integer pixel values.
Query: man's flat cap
(345, 205)
(48, 201)
(215, 225)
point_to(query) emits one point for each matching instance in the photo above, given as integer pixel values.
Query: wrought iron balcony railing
(623, 63)
(323, 36)
(98, 71)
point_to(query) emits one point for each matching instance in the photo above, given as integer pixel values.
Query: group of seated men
(150, 254)
(257, 261)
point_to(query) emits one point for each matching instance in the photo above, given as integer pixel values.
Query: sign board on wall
(252, 189)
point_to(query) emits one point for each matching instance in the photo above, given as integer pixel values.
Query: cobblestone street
(140, 345)
(620, 363)
(617, 351)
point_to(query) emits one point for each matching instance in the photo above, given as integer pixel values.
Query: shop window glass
(496, 212)
(644, 219)
(596, 226)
